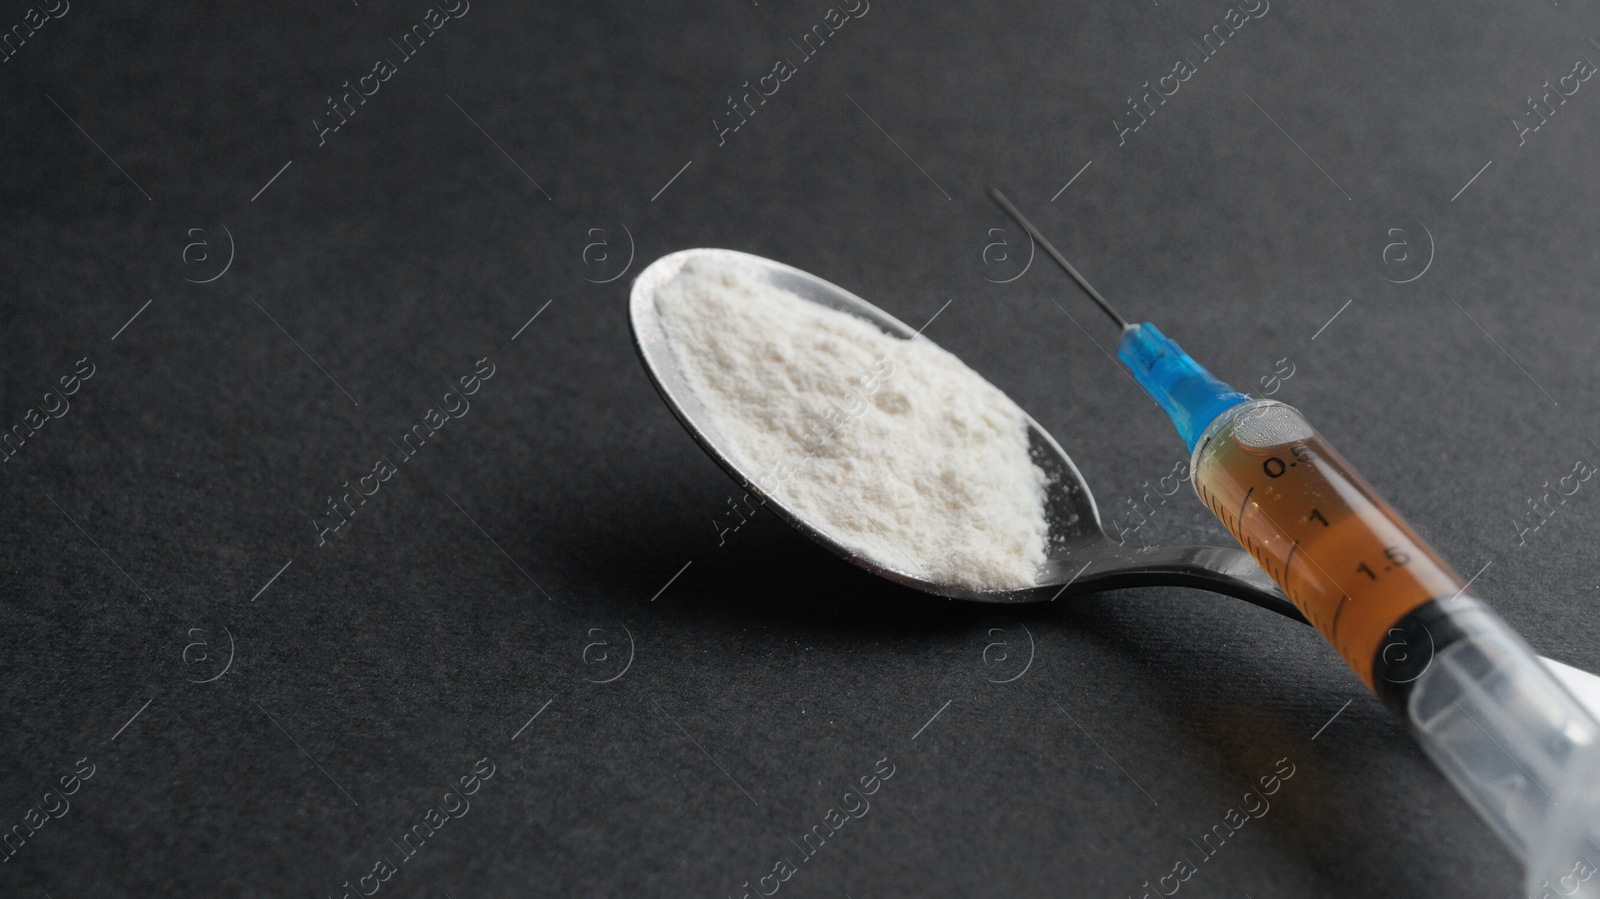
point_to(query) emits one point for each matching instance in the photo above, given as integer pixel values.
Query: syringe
(1511, 739)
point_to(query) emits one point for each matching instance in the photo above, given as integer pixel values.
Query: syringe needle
(1055, 254)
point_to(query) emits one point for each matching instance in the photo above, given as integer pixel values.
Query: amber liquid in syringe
(1342, 555)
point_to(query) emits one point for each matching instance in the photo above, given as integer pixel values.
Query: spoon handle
(1230, 572)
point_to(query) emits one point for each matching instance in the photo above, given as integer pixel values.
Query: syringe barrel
(1507, 734)
(1518, 747)
(1342, 555)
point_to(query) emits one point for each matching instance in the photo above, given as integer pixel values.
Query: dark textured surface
(769, 677)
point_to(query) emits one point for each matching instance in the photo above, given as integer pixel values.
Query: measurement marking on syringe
(1240, 518)
(1259, 552)
(1344, 601)
(1313, 559)
(1290, 560)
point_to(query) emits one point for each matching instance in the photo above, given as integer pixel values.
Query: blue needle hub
(1191, 396)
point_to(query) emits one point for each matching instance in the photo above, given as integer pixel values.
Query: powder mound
(895, 448)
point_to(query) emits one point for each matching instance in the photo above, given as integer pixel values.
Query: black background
(473, 590)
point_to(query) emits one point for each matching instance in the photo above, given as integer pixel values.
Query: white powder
(893, 447)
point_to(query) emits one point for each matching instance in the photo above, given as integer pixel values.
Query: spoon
(1081, 557)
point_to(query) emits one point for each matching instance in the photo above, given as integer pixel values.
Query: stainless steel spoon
(1082, 559)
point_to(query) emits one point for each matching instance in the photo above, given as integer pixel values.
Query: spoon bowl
(1081, 558)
